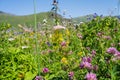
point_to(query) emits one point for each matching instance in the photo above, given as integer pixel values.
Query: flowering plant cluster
(90, 52)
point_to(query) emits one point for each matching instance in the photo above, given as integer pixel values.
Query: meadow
(88, 51)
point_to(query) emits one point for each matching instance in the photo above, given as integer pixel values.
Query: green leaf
(29, 75)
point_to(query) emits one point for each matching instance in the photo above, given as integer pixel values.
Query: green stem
(36, 36)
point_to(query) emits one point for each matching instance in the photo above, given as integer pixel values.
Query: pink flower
(112, 50)
(86, 65)
(93, 52)
(45, 70)
(87, 59)
(90, 76)
(79, 36)
(58, 27)
(38, 78)
(63, 43)
(107, 37)
(99, 34)
(71, 74)
(95, 67)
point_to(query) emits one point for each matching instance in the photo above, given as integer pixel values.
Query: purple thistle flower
(90, 76)
(86, 65)
(38, 78)
(93, 52)
(45, 70)
(112, 50)
(87, 59)
(81, 65)
(71, 74)
(63, 43)
(48, 43)
(95, 15)
(95, 67)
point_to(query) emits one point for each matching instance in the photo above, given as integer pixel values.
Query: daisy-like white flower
(24, 47)
(11, 39)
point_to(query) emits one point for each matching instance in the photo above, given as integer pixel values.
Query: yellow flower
(67, 32)
(57, 37)
(32, 33)
(64, 60)
(80, 53)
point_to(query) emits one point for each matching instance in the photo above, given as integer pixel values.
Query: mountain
(1, 12)
(28, 19)
(83, 18)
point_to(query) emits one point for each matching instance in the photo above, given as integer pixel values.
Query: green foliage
(61, 55)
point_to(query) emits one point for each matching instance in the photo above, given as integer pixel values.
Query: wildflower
(81, 65)
(90, 76)
(93, 52)
(95, 67)
(80, 53)
(107, 37)
(63, 43)
(99, 34)
(67, 32)
(49, 51)
(58, 27)
(79, 36)
(50, 36)
(116, 58)
(38, 78)
(119, 43)
(87, 59)
(44, 21)
(64, 60)
(88, 48)
(45, 70)
(23, 47)
(86, 65)
(76, 26)
(81, 22)
(112, 50)
(70, 75)
(48, 43)
(112, 44)
(95, 15)
(11, 39)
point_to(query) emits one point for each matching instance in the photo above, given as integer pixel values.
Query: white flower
(50, 35)
(44, 20)
(58, 27)
(81, 22)
(11, 39)
(23, 47)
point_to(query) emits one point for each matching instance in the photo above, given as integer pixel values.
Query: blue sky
(74, 8)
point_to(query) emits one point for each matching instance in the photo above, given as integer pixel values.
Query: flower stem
(36, 36)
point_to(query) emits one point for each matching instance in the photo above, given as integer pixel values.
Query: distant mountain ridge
(27, 19)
